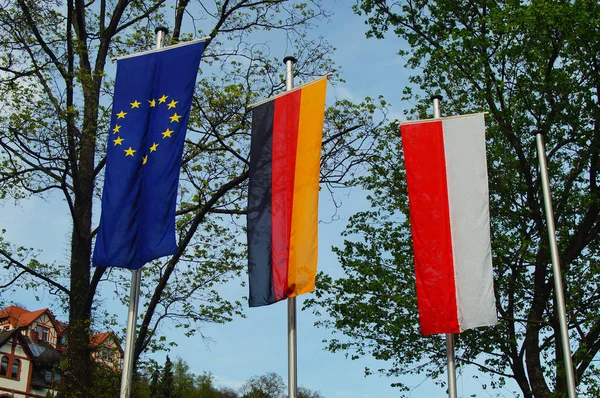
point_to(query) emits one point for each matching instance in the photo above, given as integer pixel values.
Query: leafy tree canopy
(270, 385)
(185, 384)
(532, 66)
(56, 85)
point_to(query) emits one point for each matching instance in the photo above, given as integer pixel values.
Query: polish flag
(446, 173)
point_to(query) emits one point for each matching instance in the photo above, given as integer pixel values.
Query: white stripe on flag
(468, 197)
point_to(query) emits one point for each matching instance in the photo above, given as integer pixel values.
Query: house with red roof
(31, 344)
(38, 325)
(107, 349)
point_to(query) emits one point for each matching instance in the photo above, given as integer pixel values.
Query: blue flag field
(152, 101)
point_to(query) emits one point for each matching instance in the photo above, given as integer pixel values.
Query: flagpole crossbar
(254, 105)
(157, 50)
(437, 119)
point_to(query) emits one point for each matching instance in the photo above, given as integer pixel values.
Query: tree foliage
(270, 385)
(56, 87)
(304, 392)
(166, 386)
(106, 383)
(532, 66)
(185, 384)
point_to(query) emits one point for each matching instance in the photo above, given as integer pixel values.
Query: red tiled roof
(19, 317)
(97, 339)
(62, 326)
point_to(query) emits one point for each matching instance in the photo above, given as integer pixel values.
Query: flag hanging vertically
(446, 173)
(151, 106)
(283, 194)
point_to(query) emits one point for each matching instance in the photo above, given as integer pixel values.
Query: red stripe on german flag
(283, 194)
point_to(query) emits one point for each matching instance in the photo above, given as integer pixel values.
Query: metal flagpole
(292, 342)
(449, 337)
(134, 296)
(558, 287)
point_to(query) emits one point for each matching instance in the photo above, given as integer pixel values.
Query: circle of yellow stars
(165, 134)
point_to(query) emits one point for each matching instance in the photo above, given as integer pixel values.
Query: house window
(51, 377)
(4, 366)
(16, 368)
(62, 341)
(105, 353)
(43, 333)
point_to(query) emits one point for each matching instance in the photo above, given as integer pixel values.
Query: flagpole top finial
(163, 29)
(289, 58)
(436, 97)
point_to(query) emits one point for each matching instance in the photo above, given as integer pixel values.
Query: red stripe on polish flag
(423, 146)
(283, 163)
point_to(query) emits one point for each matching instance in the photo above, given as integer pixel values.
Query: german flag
(283, 193)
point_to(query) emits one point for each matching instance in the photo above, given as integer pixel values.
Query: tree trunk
(78, 373)
(79, 365)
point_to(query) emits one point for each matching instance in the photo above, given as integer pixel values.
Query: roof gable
(20, 317)
(98, 339)
(12, 314)
(7, 335)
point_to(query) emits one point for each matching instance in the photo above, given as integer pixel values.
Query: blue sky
(257, 344)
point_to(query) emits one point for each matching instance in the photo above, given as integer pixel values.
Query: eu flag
(151, 106)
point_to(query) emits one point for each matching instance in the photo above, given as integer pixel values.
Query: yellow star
(118, 141)
(144, 159)
(163, 99)
(152, 103)
(135, 104)
(116, 129)
(175, 118)
(172, 104)
(167, 133)
(130, 152)
(121, 115)
(155, 145)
